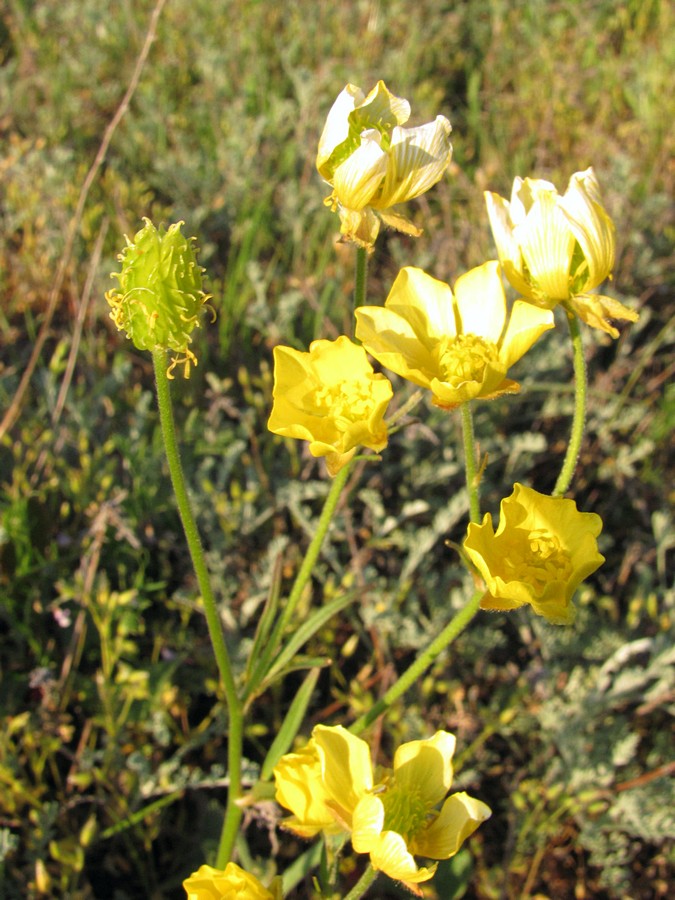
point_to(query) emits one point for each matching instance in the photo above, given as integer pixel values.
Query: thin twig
(79, 322)
(14, 410)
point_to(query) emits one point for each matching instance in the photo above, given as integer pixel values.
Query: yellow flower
(556, 248)
(542, 550)
(373, 163)
(230, 883)
(160, 294)
(393, 815)
(459, 347)
(330, 397)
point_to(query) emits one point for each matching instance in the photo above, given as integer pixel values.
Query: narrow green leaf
(291, 724)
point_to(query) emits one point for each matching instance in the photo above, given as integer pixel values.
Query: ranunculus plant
(458, 344)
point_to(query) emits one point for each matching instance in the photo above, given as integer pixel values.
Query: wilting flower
(542, 550)
(458, 346)
(392, 814)
(160, 292)
(373, 163)
(558, 248)
(230, 883)
(330, 397)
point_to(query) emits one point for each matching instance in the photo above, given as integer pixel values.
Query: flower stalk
(451, 631)
(579, 419)
(234, 706)
(472, 478)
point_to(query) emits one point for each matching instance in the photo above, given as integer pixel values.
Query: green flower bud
(160, 294)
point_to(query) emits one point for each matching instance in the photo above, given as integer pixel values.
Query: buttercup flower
(230, 883)
(160, 292)
(556, 249)
(373, 163)
(458, 346)
(330, 397)
(392, 814)
(541, 552)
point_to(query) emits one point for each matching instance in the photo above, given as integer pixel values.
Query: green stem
(470, 462)
(362, 884)
(234, 706)
(360, 277)
(451, 631)
(580, 382)
(303, 576)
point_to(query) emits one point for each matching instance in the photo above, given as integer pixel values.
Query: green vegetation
(113, 745)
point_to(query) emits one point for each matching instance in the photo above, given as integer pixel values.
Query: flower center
(465, 358)
(404, 811)
(345, 403)
(538, 559)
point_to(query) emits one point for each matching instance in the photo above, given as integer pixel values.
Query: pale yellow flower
(230, 883)
(541, 552)
(372, 163)
(330, 397)
(556, 249)
(459, 346)
(392, 814)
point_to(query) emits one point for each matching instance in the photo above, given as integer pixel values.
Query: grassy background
(113, 741)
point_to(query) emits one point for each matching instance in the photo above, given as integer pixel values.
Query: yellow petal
(425, 302)
(459, 817)
(336, 129)
(383, 108)
(508, 248)
(357, 179)
(591, 226)
(392, 341)
(425, 767)
(417, 160)
(367, 823)
(346, 765)
(391, 856)
(547, 245)
(300, 788)
(526, 324)
(480, 298)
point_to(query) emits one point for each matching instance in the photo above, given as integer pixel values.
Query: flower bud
(160, 294)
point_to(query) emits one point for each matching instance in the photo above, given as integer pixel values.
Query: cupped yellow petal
(417, 159)
(381, 108)
(508, 248)
(426, 767)
(367, 823)
(390, 855)
(481, 301)
(299, 787)
(547, 245)
(425, 302)
(346, 765)
(525, 326)
(336, 129)
(357, 179)
(592, 228)
(459, 817)
(391, 339)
